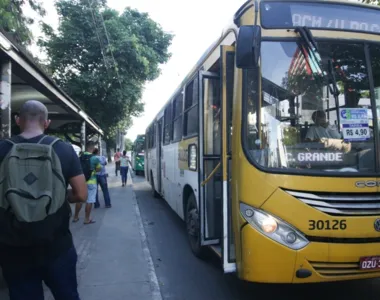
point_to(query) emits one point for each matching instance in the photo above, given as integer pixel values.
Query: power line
(108, 40)
(109, 43)
(98, 36)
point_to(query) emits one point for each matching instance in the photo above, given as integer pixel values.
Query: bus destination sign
(320, 15)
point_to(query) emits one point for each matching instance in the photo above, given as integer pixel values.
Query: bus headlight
(273, 228)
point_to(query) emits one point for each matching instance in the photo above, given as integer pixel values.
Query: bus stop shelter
(21, 80)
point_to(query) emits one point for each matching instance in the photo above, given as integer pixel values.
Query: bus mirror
(248, 47)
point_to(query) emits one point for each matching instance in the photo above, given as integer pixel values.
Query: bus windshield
(295, 123)
(140, 145)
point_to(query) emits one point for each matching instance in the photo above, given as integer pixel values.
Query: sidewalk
(113, 257)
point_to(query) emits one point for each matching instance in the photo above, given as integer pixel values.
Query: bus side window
(167, 124)
(191, 109)
(177, 117)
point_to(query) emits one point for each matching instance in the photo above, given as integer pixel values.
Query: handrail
(211, 174)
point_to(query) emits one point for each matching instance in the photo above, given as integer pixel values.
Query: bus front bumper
(264, 260)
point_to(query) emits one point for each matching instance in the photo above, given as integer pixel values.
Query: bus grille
(339, 204)
(340, 268)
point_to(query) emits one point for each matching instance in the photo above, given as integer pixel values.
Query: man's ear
(17, 119)
(47, 124)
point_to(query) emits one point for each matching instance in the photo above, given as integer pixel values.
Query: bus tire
(154, 192)
(193, 228)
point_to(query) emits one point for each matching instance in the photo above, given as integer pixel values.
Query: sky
(196, 25)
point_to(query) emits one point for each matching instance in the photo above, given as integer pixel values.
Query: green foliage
(128, 144)
(14, 21)
(105, 65)
(290, 136)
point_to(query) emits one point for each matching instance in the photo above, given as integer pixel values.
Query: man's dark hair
(124, 152)
(118, 149)
(90, 145)
(96, 151)
(318, 114)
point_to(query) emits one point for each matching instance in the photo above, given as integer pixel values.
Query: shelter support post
(100, 144)
(83, 136)
(5, 99)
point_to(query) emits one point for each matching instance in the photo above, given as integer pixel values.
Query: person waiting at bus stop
(116, 159)
(124, 160)
(102, 181)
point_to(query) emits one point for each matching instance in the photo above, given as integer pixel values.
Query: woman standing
(124, 167)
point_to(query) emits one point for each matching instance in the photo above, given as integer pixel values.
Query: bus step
(217, 249)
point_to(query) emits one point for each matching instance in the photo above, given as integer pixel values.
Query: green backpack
(32, 193)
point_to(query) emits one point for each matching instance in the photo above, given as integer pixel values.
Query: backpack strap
(48, 140)
(55, 140)
(50, 143)
(40, 141)
(10, 141)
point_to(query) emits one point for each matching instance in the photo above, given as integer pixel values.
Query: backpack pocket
(27, 208)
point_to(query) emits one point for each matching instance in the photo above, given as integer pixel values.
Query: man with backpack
(36, 244)
(90, 166)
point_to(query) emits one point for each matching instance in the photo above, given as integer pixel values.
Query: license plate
(370, 263)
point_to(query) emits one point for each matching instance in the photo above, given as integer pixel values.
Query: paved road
(184, 277)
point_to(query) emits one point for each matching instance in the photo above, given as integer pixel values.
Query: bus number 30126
(327, 225)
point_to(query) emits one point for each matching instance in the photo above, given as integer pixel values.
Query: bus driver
(324, 133)
(321, 128)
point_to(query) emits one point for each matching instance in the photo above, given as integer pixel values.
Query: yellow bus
(269, 149)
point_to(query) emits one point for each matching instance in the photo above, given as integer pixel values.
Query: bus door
(215, 158)
(159, 155)
(210, 159)
(227, 91)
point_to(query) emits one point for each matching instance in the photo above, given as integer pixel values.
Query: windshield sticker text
(355, 125)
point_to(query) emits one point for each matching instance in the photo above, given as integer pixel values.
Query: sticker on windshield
(354, 124)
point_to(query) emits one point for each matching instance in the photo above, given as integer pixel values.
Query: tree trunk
(110, 145)
(109, 156)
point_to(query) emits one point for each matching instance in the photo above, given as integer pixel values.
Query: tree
(128, 144)
(14, 21)
(103, 59)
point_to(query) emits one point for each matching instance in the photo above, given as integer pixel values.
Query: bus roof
(140, 137)
(234, 24)
(197, 66)
(346, 2)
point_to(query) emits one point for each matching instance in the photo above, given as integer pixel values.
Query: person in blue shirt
(102, 181)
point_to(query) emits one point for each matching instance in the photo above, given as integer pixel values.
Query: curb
(155, 286)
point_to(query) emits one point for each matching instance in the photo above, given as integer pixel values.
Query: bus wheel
(193, 228)
(154, 192)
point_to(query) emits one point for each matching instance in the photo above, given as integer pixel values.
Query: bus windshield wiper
(312, 56)
(315, 62)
